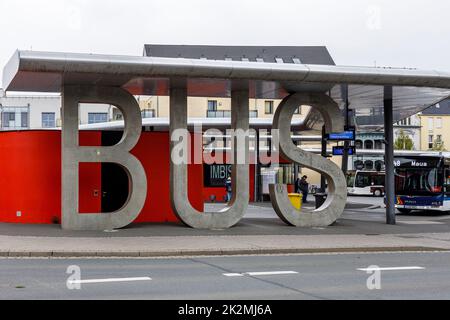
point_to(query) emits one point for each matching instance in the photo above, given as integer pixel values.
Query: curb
(190, 253)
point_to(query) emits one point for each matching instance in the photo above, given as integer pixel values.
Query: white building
(24, 112)
(411, 127)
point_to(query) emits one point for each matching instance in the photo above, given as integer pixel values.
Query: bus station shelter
(381, 96)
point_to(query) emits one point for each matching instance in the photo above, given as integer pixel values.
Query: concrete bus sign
(116, 80)
(73, 155)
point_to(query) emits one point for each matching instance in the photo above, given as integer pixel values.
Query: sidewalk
(216, 245)
(362, 228)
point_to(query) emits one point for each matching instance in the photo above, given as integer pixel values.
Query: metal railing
(227, 114)
(148, 113)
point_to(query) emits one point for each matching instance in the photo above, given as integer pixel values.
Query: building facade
(30, 112)
(435, 131)
(369, 140)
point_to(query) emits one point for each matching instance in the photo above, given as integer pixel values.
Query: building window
(439, 123)
(15, 118)
(253, 114)
(359, 165)
(430, 124)
(24, 119)
(358, 144)
(379, 165)
(404, 122)
(430, 141)
(268, 109)
(378, 144)
(218, 114)
(212, 105)
(98, 117)
(8, 119)
(368, 144)
(48, 120)
(368, 165)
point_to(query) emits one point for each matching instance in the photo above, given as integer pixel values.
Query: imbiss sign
(215, 176)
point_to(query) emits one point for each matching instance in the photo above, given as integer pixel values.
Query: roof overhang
(414, 90)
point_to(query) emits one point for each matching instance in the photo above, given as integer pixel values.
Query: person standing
(297, 185)
(304, 188)
(229, 189)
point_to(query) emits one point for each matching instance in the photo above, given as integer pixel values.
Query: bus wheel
(404, 211)
(377, 193)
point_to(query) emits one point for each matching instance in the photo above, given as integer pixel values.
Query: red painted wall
(153, 150)
(30, 177)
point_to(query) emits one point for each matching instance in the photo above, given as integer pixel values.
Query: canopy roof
(414, 90)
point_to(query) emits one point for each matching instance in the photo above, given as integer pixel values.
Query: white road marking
(421, 222)
(391, 269)
(266, 273)
(109, 280)
(233, 274)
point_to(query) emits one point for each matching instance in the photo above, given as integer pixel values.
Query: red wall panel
(153, 150)
(30, 180)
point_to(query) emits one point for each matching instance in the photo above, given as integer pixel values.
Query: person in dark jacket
(304, 188)
(297, 186)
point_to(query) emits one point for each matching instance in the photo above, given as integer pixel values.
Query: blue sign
(339, 151)
(342, 136)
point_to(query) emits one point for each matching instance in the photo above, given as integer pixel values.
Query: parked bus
(366, 183)
(422, 183)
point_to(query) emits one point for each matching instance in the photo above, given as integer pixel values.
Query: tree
(438, 145)
(403, 142)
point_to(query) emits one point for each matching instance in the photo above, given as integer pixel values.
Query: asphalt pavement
(330, 276)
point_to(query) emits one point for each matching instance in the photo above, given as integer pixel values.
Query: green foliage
(403, 142)
(438, 145)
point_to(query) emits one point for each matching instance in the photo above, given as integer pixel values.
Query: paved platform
(362, 228)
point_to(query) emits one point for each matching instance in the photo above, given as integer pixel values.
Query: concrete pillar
(334, 206)
(73, 155)
(236, 209)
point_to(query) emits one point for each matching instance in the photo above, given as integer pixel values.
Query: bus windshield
(418, 181)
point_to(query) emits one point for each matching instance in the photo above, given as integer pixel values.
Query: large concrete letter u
(240, 172)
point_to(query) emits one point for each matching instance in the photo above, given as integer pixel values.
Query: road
(333, 276)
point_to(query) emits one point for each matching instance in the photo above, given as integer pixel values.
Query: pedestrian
(229, 189)
(297, 185)
(304, 188)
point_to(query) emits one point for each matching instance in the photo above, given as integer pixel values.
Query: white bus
(366, 183)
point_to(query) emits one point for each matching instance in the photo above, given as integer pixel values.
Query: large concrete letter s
(337, 188)
(73, 155)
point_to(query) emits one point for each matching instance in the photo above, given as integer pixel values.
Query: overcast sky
(400, 33)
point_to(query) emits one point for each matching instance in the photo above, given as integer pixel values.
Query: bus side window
(447, 181)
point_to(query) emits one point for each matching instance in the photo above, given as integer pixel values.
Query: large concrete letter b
(73, 155)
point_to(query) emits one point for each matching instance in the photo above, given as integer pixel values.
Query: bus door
(447, 182)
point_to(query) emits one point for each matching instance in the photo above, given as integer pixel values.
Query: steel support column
(389, 155)
(324, 143)
(347, 124)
